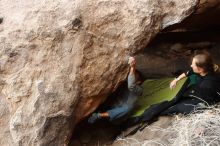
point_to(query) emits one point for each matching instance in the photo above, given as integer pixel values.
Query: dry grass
(201, 128)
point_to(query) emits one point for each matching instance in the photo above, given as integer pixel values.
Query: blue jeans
(119, 112)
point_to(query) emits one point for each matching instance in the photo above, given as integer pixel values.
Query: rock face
(155, 134)
(60, 59)
(171, 53)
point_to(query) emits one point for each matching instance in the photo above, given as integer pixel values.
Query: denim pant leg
(119, 112)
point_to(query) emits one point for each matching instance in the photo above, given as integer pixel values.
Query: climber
(121, 111)
(201, 89)
(206, 88)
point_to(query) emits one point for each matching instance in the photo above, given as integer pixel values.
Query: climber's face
(195, 68)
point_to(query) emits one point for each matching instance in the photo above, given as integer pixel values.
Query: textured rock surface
(171, 53)
(59, 59)
(205, 5)
(204, 18)
(155, 134)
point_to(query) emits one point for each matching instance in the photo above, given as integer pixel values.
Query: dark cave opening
(168, 54)
(171, 52)
(102, 132)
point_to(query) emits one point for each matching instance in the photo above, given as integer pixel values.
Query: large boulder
(60, 59)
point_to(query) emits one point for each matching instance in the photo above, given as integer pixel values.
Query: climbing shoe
(93, 118)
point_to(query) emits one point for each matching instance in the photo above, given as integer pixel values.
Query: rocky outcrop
(60, 59)
(206, 5)
(172, 52)
(204, 18)
(150, 135)
(197, 128)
